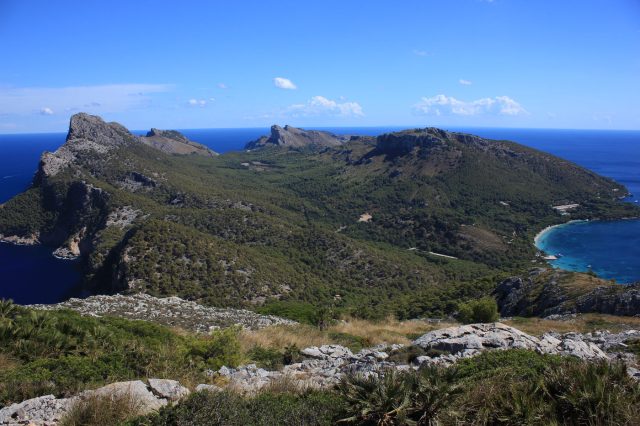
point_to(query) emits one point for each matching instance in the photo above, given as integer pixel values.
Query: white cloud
(441, 104)
(319, 105)
(46, 111)
(222, 86)
(109, 98)
(284, 83)
(197, 102)
(465, 82)
(212, 99)
(419, 52)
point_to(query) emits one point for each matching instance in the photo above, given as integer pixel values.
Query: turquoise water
(611, 249)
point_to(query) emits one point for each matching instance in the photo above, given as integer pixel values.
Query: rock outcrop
(546, 292)
(469, 340)
(174, 142)
(324, 366)
(292, 137)
(49, 410)
(169, 311)
(89, 140)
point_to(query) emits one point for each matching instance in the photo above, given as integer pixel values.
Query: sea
(610, 249)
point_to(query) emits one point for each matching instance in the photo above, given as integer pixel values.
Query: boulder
(43, 410)
(169, 389)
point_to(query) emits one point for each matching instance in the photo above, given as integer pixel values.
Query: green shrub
(221, 348)
(396, 398)
(481, 310)
(266, 409)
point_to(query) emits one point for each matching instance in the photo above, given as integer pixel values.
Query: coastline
(548, 229)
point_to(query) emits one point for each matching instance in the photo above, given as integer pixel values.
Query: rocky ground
(169, 311)
(323, 366)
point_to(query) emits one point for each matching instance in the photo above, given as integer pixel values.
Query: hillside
(360, 225)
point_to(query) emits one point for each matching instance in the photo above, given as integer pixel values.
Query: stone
(136, 389)
(169, 389)
(208, 388)
(42, 410)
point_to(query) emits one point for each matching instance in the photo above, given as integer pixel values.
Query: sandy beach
(549, 228)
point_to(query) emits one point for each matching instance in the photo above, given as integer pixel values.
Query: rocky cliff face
(545, 293)
(173, 142)
(292, 137)
(89, 140)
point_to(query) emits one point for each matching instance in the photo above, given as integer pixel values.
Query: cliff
(174, 142)
(292, 137)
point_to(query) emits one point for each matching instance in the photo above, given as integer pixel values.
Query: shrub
(313, 408)
(221, 348)
(394, 398)
(593, 393)
(481, 310)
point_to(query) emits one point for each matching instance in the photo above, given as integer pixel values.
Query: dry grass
(583, 323)
(103, 410)
(280, 336)
(387, 331)
(368, 332)
(6, 362)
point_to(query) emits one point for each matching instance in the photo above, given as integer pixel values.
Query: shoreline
(548, 229)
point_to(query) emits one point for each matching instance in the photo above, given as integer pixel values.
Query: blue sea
(32, 275)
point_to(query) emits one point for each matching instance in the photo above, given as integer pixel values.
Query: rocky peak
(93, 128)
(402, 143)
(293, 137)
(174, 142)
(87, 134)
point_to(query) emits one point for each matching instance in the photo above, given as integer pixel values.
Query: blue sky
(199, 64)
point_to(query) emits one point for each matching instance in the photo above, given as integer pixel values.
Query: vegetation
(481, 310)
(103, 410)
(278, 230)
(62, 353)
(515, 387)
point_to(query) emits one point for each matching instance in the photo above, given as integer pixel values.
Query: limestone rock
(170, 311)
(42, 410)
(174, 142)
(292, 137)
(136, 389)
(208, 388)
(169, 389)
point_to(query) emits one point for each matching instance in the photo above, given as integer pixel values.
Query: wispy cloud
(101, 98)
(319, 105)
(465, 82)
(222, 86)
(442, 104)
(284, 83)
(197, 102)
(419, 52)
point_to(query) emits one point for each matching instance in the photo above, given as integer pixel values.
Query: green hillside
(250, 228)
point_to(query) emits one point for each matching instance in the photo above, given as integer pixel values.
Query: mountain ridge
(253, 228)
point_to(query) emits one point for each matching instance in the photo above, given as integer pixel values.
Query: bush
(314, 408)
(394, 398)
(221, 348)
(481, 310)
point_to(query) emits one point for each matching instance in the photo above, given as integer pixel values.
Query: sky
(207, 64)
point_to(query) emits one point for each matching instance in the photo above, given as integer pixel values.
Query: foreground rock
(469, 340)
(169, 311)
(326, 365)
(47, 410)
